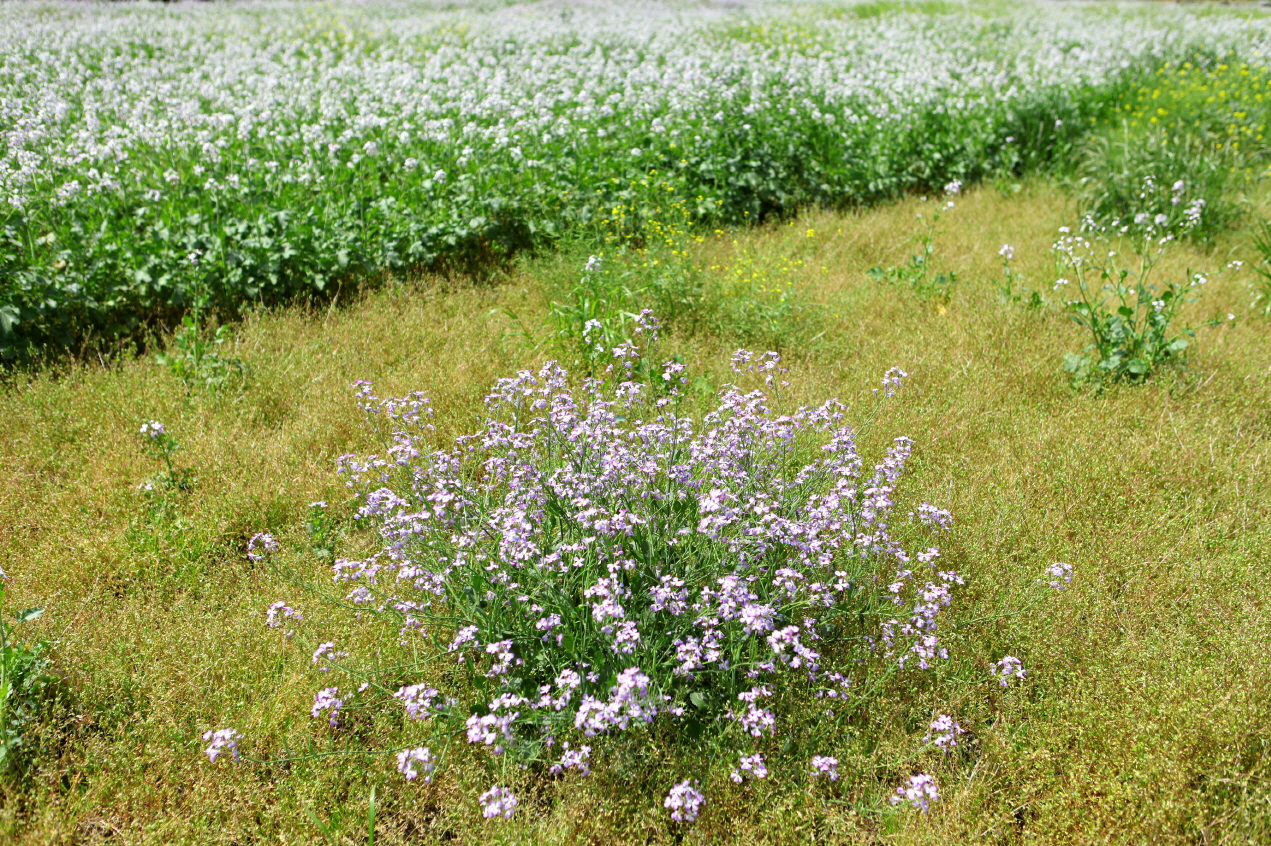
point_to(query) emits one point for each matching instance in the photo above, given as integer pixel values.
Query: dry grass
(1147, 711)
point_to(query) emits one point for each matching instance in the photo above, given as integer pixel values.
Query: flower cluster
(1059, 575)
(603, 561)
(944, 733)
(222, 740)
(920, 792)
(684, 802)
(1008, 668)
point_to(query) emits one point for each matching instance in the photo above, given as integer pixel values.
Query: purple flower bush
(593, 560)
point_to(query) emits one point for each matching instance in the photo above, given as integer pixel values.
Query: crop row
(151, 158)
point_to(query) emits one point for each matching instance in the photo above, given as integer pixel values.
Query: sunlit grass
(1144, 716)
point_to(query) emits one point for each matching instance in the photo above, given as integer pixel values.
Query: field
(1084, 661)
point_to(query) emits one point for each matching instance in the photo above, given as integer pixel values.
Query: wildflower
(749, 766)
(152, 429)
(920, 792)
(572, 759)
(1059, 283)
(1007, 252)
(893, 379)
(221, 740)
(824, 765)
(593, 264)
(944, 733)
(275, 614)
(498, 802)
(684, 802)
(327, 699)
(1008, 668)
(1060, 575)
(953, 188)
(261, 546)
(410, 762)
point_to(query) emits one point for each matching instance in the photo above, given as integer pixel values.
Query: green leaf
(29, 615)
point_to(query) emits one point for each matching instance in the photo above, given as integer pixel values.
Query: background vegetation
(1145, 712)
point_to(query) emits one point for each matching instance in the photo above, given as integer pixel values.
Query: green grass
(1146, 711)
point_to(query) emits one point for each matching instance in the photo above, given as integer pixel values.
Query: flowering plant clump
(1131, 320)
(593, 560)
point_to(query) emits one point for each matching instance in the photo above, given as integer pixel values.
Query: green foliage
(1011, 278)
(161, 489)
(1262, 242)
(197, 359)
(24, 684)
(1127, 174)
(310, 198)
(1130, 318)
(918, 274)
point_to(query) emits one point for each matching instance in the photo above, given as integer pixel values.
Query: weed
(24, 680)
(1130, 319)
(160, 488)
(927, 283)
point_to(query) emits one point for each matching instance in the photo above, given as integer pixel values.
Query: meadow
(505, 541)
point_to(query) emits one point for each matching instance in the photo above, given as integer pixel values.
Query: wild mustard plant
(234, 149)
(593, 561)
(1011, 278)
(1262, 286)
(197, 359)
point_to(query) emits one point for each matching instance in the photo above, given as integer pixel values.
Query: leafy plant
(197, 359)
(594, 317)
(160, 488)
(24, 682)
(595, 563)
(1011, 277)
(918, 274)
(1262, 291)
(1130, 318)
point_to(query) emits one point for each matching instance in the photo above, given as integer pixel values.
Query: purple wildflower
(328, 699)
(261, 546)
(1008, 667)
(750, 766)
(684, 802)
(1060, 575)
(498, 802)
(824, 765)
(919, 792)
(414, 762)
(222, 740)
(944, 733)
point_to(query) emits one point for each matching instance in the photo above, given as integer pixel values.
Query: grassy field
(1144, 717)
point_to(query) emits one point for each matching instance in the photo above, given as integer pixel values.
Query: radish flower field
(156, 157)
